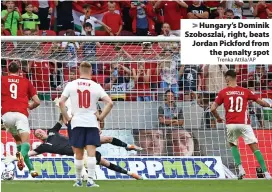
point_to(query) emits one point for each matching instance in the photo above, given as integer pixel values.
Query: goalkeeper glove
(9, 159)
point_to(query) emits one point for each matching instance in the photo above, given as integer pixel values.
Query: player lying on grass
(16, 93)
(235, 101)
(54, 142)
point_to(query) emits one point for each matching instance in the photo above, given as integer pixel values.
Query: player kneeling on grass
(16, 92)
(235, 101)
(54, 142)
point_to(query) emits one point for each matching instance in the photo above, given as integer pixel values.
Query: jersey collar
(85, 78)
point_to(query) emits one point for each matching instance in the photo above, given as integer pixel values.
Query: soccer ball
(7, 175)
(8, 172)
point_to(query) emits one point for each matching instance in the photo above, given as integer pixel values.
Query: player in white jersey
(84, 94)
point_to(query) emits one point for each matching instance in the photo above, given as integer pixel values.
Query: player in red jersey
(235, 101)
(16, 92)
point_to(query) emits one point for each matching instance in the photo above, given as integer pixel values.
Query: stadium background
(131, 119)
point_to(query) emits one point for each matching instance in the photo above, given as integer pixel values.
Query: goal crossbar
(87, 38)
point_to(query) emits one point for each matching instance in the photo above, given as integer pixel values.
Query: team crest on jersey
(51, 133)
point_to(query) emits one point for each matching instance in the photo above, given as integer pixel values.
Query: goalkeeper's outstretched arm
(9, 159)
(32, 153)
(56, 127)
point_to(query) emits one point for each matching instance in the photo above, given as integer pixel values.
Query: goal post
(137, 73)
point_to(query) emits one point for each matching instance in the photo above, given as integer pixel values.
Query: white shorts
(16, 123)
(234, 131)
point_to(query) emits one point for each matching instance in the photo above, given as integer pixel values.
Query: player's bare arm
(107, 108)
(263, 103)
(35, 102)
(165, 121)
(173, 122)
(62, 106)
(101, 123)
(32, 153)
(215, 113)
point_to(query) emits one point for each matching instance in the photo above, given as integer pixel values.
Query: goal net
(179, 135)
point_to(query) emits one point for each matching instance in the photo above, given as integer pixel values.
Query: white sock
(267, 174)
(91, 163)
(79, 166)
(240, 167)
(84, 173)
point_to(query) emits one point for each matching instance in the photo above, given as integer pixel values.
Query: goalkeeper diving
(54, 142)
(103, 139)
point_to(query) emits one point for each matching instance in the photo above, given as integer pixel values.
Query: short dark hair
(28, 3)
(221, 5)
(229, 11)
(33, 31)
(260, 66)
(230, 73)
(70, 32)
(10, 1)
(13, 67)
(169, 91)
(27, 29)
(86, 6)
(87, 24)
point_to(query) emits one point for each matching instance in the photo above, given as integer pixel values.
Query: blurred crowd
(147, 80)
(138, 68)
(116, 18)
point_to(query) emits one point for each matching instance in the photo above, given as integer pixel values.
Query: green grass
(142, 186)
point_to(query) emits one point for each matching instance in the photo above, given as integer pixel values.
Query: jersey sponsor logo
(51, 134)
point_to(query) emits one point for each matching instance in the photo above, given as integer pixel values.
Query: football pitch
(142, 186)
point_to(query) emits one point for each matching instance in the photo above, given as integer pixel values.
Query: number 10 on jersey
(84, 98)
(238, 104)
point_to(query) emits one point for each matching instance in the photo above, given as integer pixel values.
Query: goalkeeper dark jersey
(55, 143)
(59, 144)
